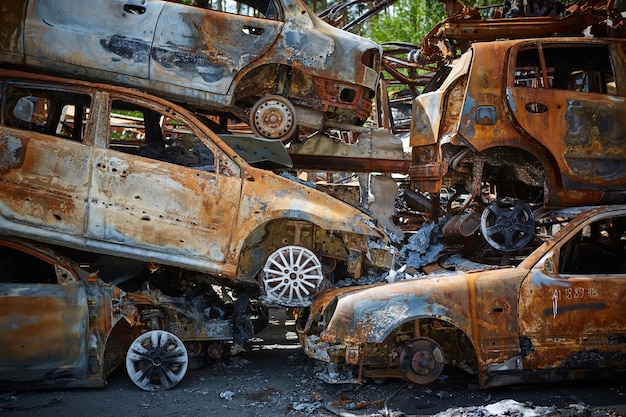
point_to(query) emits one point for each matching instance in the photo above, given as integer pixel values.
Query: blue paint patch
(539, 279)
(382, 316)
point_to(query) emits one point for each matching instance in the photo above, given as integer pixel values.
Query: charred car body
(535, 123)
(271, 63)
(63, 326)
(164, 188)
(557, 315)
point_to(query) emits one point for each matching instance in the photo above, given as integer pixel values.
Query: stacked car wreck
(557, 315)
(518, 135)
(273, 64)
(186, 230)
(185, 234)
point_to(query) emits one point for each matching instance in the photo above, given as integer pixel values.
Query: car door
(44, 323)
(566, 96)
(45, 162)
(205, 49)
(572, 303)
(111, 36)
(156, 188)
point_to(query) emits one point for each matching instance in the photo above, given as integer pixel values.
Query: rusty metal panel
(560, 133)
(37, 190)
(137, 201)
(71, 29)
(127, 206)
(207, 51)
(215, 60)
(557, 315)
(583, 130)
(47, 328)
(484, 89)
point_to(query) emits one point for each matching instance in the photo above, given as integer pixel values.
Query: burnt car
(557, 315)
(527, 124)
(272, 63)
(63, 326)
(115, 171)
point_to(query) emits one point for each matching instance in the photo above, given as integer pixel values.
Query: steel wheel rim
(157, 360)
(273, 117)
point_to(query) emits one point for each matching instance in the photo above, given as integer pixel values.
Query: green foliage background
(409, 20)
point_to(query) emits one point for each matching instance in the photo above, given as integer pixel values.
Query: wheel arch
(116, 345)
(278, 79)
(270, 236)
(456, 343)
(531, 165)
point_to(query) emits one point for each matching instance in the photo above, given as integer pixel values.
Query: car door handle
(535, 107)
(134, 9)
(252, 30)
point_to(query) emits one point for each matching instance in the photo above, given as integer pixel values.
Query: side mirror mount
(549, 266)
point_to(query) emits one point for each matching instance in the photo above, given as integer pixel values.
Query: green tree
(406, 21)
(409, 20)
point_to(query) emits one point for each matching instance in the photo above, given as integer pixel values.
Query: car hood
(286, 196)
(368, 314)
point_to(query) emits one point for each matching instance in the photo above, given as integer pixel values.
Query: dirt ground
(274, 378)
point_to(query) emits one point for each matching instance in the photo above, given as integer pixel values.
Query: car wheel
(157, 360)
(273, 117)
(292, 276)
(507, 224)
(421, 360)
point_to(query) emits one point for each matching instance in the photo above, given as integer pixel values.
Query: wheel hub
(421, 360)
(157, 360)
(507, 224)
(273, 117)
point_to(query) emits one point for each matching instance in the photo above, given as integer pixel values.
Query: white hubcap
(157, 360)
(291, 277)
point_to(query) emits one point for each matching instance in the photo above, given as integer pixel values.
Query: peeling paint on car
(218, 61)
(139, 189)
(555, 316)
(561, 144)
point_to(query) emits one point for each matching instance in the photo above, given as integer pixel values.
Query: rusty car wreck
(271, 63)
(167, 189)
(63, 326)
(523, 125)
(557, 315)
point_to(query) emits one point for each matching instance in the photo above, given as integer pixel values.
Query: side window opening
(585, 69)
(528, 71)
(253, 8)
(58, 113)
(599, 248)
(17, 267)
(145, 132)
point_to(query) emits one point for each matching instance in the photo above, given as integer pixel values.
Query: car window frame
(280, 15)
(64, 274)
(228, 165)
(540, 46)
(27, 84)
